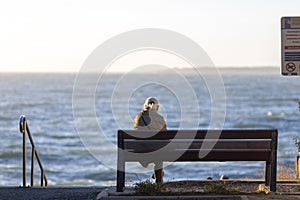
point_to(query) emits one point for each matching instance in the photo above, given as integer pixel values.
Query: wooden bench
(198, 145)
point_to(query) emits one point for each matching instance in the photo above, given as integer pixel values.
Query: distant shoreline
(255, 70)
(245, 69)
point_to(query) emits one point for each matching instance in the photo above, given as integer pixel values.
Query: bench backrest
(198, 145)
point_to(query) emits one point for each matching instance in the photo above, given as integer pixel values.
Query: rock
(224, 177)
(263, 188)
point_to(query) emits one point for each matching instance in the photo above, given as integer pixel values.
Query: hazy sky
(58, 35)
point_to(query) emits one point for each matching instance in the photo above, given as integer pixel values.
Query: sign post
(290, 46)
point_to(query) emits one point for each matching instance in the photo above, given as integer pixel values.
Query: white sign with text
(290, 46)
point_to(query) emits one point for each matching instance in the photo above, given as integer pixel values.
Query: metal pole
(24, 153)
(298, 167)
(32, 166)
(42, 178)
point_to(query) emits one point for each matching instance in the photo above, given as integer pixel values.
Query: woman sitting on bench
(150, 119)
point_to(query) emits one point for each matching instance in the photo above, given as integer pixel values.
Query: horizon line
(114, 72)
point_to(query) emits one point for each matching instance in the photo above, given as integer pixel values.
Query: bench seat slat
(197, 134)
(211, 155)
(148, 145)
(215, 155)
(221, 156)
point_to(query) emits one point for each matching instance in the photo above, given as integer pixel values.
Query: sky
(59, 35)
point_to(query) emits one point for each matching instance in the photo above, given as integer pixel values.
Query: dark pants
(158, 172)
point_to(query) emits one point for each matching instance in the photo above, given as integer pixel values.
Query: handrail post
(42, 178)
(24, 153)
(32, 166)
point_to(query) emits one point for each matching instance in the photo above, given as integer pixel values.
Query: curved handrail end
(22, 119)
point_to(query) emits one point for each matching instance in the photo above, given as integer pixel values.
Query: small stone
(224, 177)
(263, 188)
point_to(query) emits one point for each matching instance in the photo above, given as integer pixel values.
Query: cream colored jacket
(149, 119)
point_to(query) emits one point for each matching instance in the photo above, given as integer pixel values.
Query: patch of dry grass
(285, 172)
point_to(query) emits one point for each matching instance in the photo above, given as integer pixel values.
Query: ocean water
(263, 100)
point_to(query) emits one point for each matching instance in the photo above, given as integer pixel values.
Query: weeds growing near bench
(285, 172)
(217, 188)
(148, 188)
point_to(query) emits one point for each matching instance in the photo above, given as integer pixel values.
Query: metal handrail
(24, 129)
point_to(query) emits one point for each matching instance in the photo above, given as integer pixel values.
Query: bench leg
(268, 173)
(121, 175)
(273, 162)
(273, 174)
